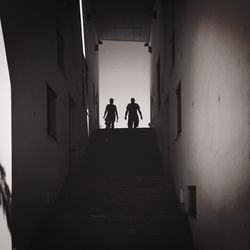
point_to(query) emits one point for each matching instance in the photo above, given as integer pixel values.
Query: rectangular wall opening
(192, 206)
(124, 73)
(51, 112)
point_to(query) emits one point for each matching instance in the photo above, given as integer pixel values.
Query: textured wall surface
(40, 162)
(212, 151)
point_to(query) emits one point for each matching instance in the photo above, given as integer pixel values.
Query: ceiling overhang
(123, 20)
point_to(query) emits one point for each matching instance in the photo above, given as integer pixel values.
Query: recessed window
(178, 98)
(51, 112)
(192, 207)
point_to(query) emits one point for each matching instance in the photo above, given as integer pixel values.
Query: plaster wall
(212, 151)
(40, 162)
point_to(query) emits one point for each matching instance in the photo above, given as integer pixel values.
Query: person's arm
(140, 112)
(116, 114)
(106, 110)
(126, 114)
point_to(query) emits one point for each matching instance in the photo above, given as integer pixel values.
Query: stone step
(123, 152)
(157, 181)
(119, 200)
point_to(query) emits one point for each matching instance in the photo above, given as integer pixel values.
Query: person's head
(111, 100)
(133, 100)
(2, 171)
(2, 175)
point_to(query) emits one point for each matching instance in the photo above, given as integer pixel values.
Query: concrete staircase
(123, 152)
(120, 200)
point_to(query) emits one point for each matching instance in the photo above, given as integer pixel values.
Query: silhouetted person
(110, 114)
(132, 109)
(5, 198)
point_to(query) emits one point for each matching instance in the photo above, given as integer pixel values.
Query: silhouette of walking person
(5, 198)
(110, 114)
(132, 108)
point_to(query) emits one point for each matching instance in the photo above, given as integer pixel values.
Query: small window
(51, 112)
(192, 207)
(178, 97)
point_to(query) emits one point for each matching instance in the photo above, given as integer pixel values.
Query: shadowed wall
(206, 52)
(44, 51)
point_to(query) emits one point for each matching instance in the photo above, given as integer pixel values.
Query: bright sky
(124, 73)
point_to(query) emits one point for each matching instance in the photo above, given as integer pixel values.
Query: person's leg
(112, 124)
(108, 124)
(136, 122)
(130, 123)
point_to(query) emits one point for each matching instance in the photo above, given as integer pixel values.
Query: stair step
(119, 200)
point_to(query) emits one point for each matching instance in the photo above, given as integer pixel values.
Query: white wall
(5, 136)
(41, 163)
(212, 63)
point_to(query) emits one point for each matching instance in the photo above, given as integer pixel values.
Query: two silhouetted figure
(110, 114)
(132, 111)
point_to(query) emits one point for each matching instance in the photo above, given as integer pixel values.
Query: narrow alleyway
(119, 200)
